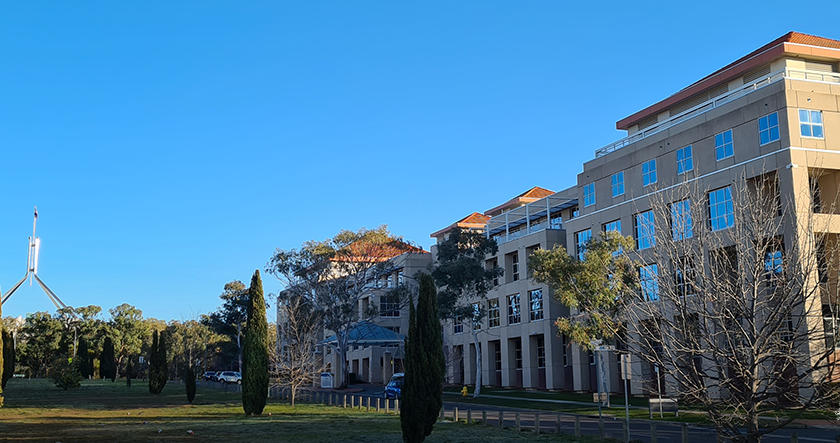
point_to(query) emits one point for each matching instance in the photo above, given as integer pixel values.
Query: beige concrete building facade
(773, 114)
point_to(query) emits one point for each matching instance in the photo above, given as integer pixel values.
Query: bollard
(330, 400)
(469, 416)
(455, 415)
(442, 413)
(684, 433)
(601, 427)
(501, 420)
(396, 406)
(653, 433)
(558, 423)
(377, 404)
(484, 418)
(387, 406)
(518, 424)
(345, 401)
(537, 423)
(577, 425)
(794, 438)
(368, 404)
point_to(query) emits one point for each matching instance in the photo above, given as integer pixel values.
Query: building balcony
(720, 100)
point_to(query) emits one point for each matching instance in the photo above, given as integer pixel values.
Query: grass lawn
(103, 411)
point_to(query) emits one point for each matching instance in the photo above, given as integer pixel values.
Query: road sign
(625, 367)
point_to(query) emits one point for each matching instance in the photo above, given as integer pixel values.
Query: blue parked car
(394, 387)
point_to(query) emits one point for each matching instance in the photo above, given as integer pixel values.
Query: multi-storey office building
(519, 342)
(376, 345)
(773, 115)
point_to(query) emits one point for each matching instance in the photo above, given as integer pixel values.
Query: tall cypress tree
(82, 357)
(153, 364)
(255, 351)
(423, 385)
(8, 357)
(411, 416)
(107, 362)
(190, 383)
(163, 367)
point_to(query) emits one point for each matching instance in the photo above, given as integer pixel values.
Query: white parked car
(230, 377)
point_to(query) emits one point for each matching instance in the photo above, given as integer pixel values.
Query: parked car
(209, 376)
(230, 377)
(394, 387)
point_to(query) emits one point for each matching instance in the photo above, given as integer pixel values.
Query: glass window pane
(803, 116)
(727, 136)
(773, 119)
(774, 133)
(816, 116)
(805, 130)
(762, 123)
(818, 131)
(765, 137)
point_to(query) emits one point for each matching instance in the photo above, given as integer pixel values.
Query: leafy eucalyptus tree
(464, 280)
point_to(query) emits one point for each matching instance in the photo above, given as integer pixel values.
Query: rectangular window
(514, 265)
(458, 327)
(649, 172)
(389, 306)
(649, 282)
(493, 313)
(768, 128)
(684, 277)
(493, 264)
(723, 145)
(773, 268)
(645, 230)
(614, 225)
(476, 319)
(556, 222)
(810, 123)
(514, 311)
(681, 223)
(581, 239)
(565, 346)
(589, 195)
(540, 351)
(721, 211)
(685, 162)
(536, 304)
(618, 184)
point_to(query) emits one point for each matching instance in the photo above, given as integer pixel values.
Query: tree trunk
(293, 390)
(477, 391)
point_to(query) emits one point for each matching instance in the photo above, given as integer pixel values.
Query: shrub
(64, 372)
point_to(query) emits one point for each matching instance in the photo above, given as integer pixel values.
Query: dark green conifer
(107, 362)
(422, 393)
(190, 383)
(8, 357)
(255, 351)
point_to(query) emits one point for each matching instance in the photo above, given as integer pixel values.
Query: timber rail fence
(519, 420)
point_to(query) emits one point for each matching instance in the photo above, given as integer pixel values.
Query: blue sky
(171, 146)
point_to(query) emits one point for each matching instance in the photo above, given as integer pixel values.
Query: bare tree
(297, 362)
(730, 312)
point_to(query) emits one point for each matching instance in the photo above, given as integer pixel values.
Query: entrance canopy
(366, 333)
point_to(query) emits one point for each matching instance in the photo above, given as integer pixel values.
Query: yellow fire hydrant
(464, 392)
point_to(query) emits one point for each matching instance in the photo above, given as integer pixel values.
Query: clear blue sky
(171, 146)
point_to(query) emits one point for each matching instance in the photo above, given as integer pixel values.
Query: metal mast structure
(32, 270)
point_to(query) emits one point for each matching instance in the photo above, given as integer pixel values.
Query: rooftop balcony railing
(798, 74)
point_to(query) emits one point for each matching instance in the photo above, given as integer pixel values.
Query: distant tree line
(120, 344)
